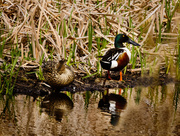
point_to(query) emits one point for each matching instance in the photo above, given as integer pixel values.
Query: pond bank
(29, 85)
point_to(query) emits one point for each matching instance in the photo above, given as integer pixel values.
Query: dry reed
(53, 27)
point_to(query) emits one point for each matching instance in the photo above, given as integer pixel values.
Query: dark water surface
(147, 111)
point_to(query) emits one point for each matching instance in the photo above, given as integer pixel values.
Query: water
(137, 111)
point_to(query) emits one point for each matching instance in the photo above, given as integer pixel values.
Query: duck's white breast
(128, 52)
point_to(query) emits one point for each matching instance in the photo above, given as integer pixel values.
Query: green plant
(87, 98)
(90, 32)
(40, 72)
(71, 53)
(160, 35)
(9, 73)
(176, 95)
(170, 12)
(8, 108)
(1, 48)
(138, 97)
(90, 75)
(178, 57)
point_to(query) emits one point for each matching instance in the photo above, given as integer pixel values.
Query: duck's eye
(123, 35)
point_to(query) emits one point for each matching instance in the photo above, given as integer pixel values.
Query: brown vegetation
(79, 31)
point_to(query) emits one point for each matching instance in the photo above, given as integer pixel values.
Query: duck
(57, 74)
(115, 59)
(114, 104)
(57, 105)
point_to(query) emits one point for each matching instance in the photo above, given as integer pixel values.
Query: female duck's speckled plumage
(57, 74)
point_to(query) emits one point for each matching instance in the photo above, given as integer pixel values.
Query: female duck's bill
(115, 59)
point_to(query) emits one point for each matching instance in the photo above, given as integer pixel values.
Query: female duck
(57, 74)
(117, 58)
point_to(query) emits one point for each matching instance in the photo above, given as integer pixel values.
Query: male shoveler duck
(117, 58)
(57, 74)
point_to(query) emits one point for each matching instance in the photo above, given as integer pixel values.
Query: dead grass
(53, 27)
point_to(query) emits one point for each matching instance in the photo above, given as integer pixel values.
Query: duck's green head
(121, 38)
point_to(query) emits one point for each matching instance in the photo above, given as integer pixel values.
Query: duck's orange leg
(120, 73)
(120, 79)
(109, 77)
(119, 91)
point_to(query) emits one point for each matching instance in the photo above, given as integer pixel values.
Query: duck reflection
(57, 105)
(113, 104)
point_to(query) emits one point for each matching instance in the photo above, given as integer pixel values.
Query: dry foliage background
(81, 30)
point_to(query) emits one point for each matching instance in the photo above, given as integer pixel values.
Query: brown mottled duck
(57, 105)
(57, 74)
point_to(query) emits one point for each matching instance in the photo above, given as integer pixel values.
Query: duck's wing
(115, 59)
(112, 54)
